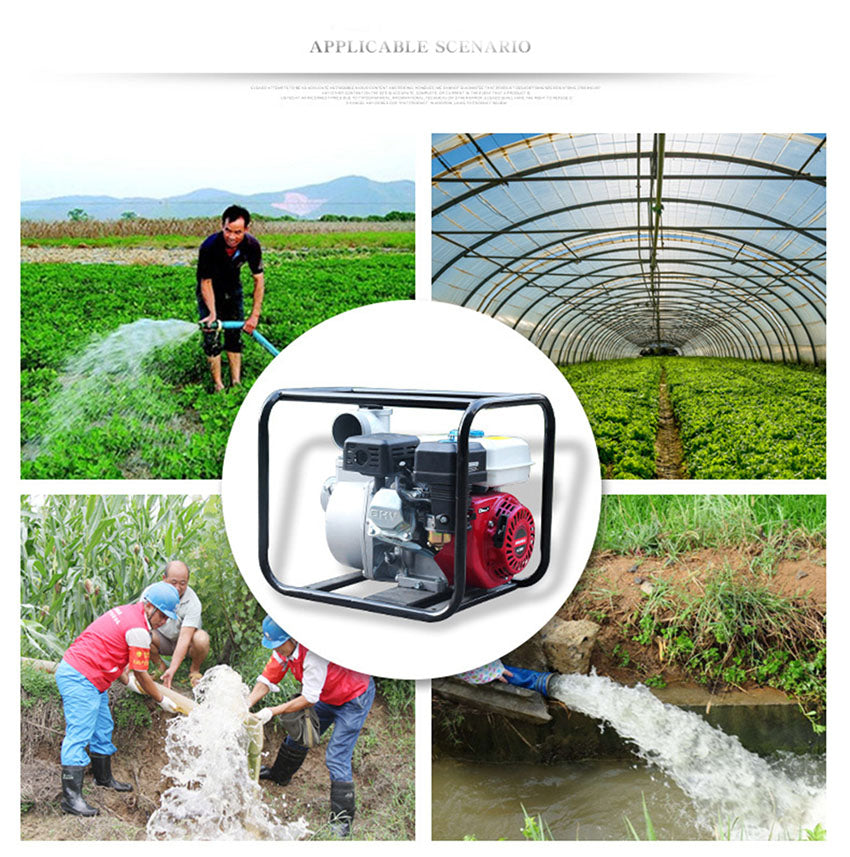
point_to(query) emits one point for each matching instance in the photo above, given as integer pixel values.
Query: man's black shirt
(215, 264)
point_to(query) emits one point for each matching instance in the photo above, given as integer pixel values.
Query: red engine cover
(498, 545)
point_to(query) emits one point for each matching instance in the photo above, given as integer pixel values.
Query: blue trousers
(88, 721)
(347, 720)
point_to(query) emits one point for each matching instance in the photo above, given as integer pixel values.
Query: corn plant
(81, 555)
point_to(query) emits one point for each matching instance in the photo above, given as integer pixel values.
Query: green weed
(37, 686)
(622, 655)
(816, 834)
(647, 820)
(734, 632)
(534, 828)
(131, 712)
(400, 696)
(671, 524)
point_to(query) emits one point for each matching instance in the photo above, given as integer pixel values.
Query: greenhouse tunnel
(603, 246)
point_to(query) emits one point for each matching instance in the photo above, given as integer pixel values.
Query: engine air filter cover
(382, 454)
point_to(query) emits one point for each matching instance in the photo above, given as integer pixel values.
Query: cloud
(298, 204)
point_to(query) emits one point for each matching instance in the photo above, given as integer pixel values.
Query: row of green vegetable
(737, 419)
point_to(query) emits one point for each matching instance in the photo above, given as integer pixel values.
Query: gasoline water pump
(428, 514)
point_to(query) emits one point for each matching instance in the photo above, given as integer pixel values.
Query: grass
(399, 695)
(723, 831)
(647, 820)
(672, 524)
(736, 632)
(534, 828)
(719, 625)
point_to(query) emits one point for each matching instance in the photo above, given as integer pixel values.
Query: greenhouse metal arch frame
(567, 239)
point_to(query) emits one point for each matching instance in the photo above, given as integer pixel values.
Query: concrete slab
(497, 698)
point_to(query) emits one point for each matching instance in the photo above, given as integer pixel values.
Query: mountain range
(349, 195)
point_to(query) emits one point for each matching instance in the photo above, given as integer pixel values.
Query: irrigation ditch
(689, 689)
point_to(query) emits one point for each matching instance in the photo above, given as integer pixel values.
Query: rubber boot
(529, 678)
(342, 808)
(73, 801)
(288, 761)
(101, 767)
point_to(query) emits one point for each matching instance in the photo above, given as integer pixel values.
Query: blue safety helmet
(273, 634)
(164, 597)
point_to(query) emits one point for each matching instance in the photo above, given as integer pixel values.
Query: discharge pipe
(530, 679)
(252, 726)
(235, 325)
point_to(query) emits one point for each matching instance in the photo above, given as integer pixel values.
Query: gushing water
(734, 791)
(213, 796)
(123, 350)
(111, 377)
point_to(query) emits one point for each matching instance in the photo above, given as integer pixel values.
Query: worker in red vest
(117, 639)
(340, 697)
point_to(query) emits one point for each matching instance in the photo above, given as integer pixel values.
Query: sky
(162, 135)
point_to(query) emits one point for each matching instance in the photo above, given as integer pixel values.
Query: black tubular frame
(471, 404)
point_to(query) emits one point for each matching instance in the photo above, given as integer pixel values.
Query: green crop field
(736, 419)
(620, 398)
(165, 424)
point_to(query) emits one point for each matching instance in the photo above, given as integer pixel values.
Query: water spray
(725, 782)
(213, 795)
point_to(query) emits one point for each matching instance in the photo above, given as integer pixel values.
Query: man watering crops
(340, 697)
(183, 635)
(219, 289)
(117, 639)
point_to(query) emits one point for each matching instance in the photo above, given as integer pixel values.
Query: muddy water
(699, 782)
(578, 800)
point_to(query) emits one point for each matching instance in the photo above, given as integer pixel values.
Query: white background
(775, 67)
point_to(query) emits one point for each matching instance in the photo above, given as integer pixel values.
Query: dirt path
(111, 255)
(668, 444)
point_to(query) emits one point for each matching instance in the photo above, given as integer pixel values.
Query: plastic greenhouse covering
(600, 246)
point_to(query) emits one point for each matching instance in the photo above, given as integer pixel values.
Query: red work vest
(101, 652)
(341, 684)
